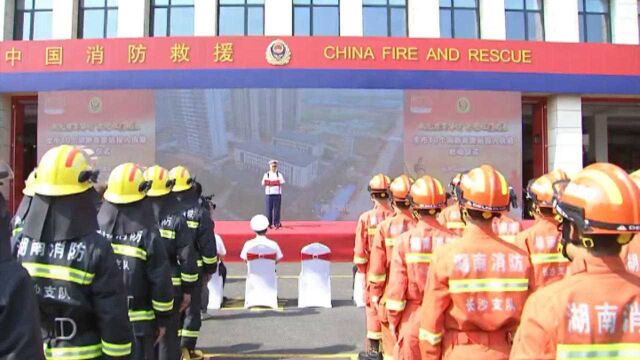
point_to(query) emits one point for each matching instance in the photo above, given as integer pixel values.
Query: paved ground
(292, 333)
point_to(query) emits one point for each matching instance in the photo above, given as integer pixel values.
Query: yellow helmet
(30, 184)
(64, 170)
(161, 184)
(182, 177)
(126, 184)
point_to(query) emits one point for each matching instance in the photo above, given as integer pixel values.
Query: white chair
(359, 283)
(216, 290)
(261, 288)
(314, 283)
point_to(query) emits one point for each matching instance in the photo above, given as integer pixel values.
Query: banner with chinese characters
(318, 62)
(119, 126)
(447, 132)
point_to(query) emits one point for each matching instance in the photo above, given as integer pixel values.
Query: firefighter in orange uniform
(594, 311)
(450, 215)
(506, 227)
(542, 238)
(367, 223)
(410, 264)
(477, 285)
(630, 253)
(381, 250)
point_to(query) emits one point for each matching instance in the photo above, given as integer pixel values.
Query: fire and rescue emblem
(95, 105)
(278, 53)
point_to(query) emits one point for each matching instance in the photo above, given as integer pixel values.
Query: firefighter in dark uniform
(25, 204)
(82, 300)
(127, 221)
(180, 252)
(19, 317)
(200, 226)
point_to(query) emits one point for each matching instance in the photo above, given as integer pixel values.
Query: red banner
(318, 53)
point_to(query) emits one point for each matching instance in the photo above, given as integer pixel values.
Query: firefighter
(450, 215)
(367, 222)
(410, 264)
(180, 251)
(594, 311)
(128, 223)
(200, 228)
(630, 253)
(82, 300)
(19, 316)
(477, 285)
(541, 240)
(25, 203)
(381, 250)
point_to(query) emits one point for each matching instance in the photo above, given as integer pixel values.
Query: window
(33, 19)
(241, 17)
(316, 17)
(384, 17)
(172, 18)
(98, 19)
(459, 19)
(524, 19)
(595, 24)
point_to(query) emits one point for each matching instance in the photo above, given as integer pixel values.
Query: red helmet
(428, 193)
(485, 189)
(400, 188)
(540, 190)
(600, 199)
(379, 184)
(635, 176)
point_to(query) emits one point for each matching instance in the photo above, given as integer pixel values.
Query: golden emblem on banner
(95, 105)
(278, 53)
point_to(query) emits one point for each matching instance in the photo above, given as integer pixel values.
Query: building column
(624, 22)
(561, 21)
(6, 22)
(424, 18)
(492, 20)
(351, 18)
(5, 137)
(205, 21)
(278, 17)
(601, 138)
(65, 19)
(564, 124)
(133, 18)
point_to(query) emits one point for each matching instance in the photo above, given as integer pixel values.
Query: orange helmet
(379, 184)
(601, 199)
(635, 176)
(400, 188)
(485, 189)
(428, 193)
(540, 190)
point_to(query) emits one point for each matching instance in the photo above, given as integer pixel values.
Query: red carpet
(292, 237)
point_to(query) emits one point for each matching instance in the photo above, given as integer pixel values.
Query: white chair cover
(314, 283)
(358, 289)
(261, 288)
(215, 291)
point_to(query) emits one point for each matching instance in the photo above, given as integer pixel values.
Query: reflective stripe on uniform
(141, 315)
(73, 353)
(387, 357)
(189, 277)
(162, 305)
(488, 285)
(199, 263)
(116, 350)
(374, 335)
(395, 305)
(371, 231)
(359, 260)
(131, 251)
(598, 351)
(167, 234)
(455, 225)
(210, 260)
(193, 224)
(390, 242)
(176, 281)
(537, 259)
(57, 272)
(188, 333)
(377, 278)
(431, 338)
(17, 231)
(417, 258)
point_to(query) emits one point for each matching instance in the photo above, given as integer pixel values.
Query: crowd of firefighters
(451, 281)
(101, 276)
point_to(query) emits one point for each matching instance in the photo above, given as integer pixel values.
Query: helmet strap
(587, 242)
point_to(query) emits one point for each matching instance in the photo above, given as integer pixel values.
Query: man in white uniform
(260, 224)
(272, 181)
